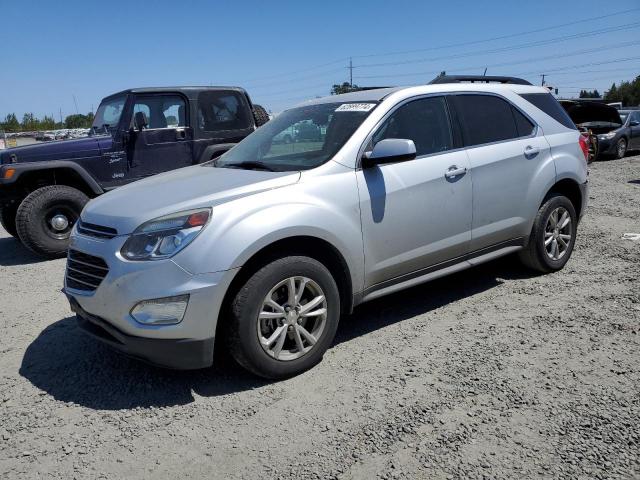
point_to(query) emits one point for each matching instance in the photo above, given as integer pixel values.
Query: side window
(550, 106)
(523, 124)
(222, 111)
(162, 111)
(425, 121)
(485, 119)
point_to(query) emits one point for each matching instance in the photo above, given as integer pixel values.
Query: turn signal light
(8, 173)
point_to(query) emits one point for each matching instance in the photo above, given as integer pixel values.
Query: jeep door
(508, 155)
(415, 214)
(166, 142)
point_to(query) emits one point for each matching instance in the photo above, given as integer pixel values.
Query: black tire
(8, 219)
(535, 255)
(241, 330)
(36, 211)
(260, 115)
(621, 148)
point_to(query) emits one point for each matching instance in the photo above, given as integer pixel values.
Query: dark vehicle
(611, 132)
(308, 132)
(136, 133)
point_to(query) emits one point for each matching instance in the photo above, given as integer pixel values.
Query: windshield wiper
(249, 165)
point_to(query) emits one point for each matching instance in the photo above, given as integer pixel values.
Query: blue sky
(284, 52)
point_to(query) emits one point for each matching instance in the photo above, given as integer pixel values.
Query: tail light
(584, 145)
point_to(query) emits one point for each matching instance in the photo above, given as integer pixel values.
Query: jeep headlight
(165, 236)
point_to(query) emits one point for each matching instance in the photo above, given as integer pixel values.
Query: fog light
(161, 311)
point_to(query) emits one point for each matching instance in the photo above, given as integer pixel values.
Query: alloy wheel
(557, 233)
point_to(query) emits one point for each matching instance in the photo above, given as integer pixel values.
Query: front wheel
(284, 317)
(553, 235)
(621, 148)
(46, 216)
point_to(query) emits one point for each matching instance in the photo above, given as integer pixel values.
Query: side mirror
(140, 121)
(634, 123)
(390, 150)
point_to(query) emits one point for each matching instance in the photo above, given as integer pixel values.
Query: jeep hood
(54, 150)
(126, 208)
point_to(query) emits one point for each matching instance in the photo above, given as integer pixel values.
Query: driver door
(414, 216)
(166, 143)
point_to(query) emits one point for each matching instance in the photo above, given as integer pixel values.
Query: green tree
(10, 123)
(47, 123)
(30, 122)
(627, 92)
(345, 87)
(78, 120)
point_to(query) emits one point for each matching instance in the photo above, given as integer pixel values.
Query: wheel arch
(67, 173)
(570, 189)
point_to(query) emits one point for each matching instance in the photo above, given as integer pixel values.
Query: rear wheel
(46, 216)
(552, 237)
(260, 115)
(8, 219)
(284, 317)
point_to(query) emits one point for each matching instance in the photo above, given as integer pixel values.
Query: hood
(584, 113)
(126, 208)
(55, 150)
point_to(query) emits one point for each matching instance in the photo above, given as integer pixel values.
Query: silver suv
(265, 247)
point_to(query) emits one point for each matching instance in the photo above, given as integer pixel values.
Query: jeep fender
(48, 166)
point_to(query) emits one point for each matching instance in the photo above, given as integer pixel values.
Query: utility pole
(60, 115)
(543, 75)
(350, 72)
(76, 103)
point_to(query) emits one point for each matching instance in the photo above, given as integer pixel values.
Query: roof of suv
(176, 89)
(378, 94)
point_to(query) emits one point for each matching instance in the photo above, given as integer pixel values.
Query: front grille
(92, 230)
(85, 272)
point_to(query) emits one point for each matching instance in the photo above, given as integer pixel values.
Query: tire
(260, 115)
(535, 255)
(8, 220)
(35, 214)
(621, 148)
(243, 328)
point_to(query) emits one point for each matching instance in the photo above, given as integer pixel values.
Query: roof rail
(478, 79)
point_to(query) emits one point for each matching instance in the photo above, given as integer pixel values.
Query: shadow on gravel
(72, 367)
(12, 253)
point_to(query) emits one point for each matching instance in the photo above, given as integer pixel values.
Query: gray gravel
(490, 373)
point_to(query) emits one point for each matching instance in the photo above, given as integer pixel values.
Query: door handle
(181, 134)
(454, 171)
(531, 152)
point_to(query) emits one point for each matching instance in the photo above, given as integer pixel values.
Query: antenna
(350, 72)
(75, 102)
(543, 82)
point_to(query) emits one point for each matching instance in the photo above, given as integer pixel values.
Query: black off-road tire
(32, 224)
(241, 334)
(534, 255)
(8, 220)
(260, 115)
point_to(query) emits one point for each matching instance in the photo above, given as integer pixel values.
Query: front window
(108, 115)
(298, 139)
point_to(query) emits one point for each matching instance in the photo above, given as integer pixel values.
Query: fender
(211, 150)
(21, 168)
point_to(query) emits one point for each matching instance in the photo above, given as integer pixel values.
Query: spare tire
(260, 115)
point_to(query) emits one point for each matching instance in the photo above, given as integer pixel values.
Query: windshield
(108, 115)
(298, 139)
(623, 116)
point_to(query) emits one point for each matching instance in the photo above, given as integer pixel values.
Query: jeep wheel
(8, 219)
(553, 235)
(45, 218)
(284, 317)
(260, 115)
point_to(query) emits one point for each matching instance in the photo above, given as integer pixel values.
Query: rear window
(550, 106)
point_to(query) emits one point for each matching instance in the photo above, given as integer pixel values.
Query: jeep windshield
(298, 139)
(108, 115)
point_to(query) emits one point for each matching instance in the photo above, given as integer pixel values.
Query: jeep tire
(260, 115)
(46, 216)
(275, 333)
(8, 219)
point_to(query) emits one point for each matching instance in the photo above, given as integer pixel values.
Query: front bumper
(188, 344)
(180, 354)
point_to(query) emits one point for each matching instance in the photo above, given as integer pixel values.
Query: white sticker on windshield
(355, 107)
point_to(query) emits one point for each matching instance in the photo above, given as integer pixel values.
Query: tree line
(31, 123)
(626, 92)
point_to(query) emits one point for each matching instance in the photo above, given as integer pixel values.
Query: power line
(548, 41)
(502, 37)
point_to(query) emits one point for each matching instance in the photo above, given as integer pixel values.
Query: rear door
(167, 142)
(505, 152)
(414, 216)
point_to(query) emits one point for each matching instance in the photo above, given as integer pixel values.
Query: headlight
(165, 236)
(607, 136)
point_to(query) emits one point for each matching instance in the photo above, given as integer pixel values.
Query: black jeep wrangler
(135, 133)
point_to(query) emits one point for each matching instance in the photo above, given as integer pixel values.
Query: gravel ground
(492, 373)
